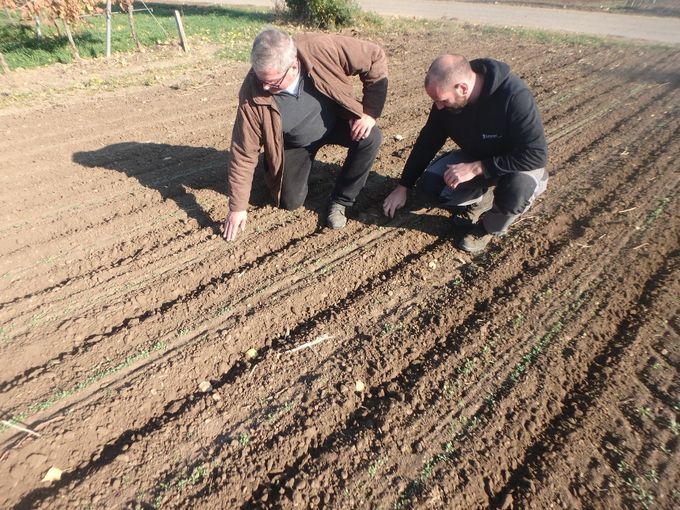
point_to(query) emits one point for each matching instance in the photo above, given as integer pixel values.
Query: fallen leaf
(359, 386)
(251, 353)
(53, 474)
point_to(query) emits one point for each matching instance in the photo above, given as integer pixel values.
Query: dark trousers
(353, 174)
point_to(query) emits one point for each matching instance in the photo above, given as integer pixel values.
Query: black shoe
(336, 218)
(476, 240)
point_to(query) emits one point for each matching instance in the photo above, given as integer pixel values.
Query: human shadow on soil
(175, 171)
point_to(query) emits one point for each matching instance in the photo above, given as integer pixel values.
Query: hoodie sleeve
(430, 140)
(529, 149)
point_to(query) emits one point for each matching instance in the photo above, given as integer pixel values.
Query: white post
(180, 29)
(38, 31)
(108, 28)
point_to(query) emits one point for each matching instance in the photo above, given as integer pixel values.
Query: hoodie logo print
(487, 136)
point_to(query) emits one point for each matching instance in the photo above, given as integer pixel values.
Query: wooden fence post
(108, 28)
(180, 29)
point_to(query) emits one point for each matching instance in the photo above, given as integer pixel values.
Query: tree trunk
(131, 20)
(3, 64)
(56, 26)
(71, 42)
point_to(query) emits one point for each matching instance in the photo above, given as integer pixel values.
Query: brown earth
(541, 374)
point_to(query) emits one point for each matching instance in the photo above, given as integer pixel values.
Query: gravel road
(647, 28)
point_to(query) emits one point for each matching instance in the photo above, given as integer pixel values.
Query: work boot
(336, 216)
(474, 211)
(475, 240)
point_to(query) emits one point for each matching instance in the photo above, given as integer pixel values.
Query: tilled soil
(542, 373)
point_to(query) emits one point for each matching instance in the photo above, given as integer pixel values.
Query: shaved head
(452, 84)
(448, 70)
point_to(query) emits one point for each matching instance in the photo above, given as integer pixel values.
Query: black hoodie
(502, 129)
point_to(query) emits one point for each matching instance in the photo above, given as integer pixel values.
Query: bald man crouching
(499, 170)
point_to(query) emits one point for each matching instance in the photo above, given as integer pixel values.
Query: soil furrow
(542, 372)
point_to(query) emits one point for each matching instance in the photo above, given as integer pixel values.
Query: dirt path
(645, 28)
(544, 372)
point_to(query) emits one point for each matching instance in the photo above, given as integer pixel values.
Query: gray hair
(273, 49)
(447, 70)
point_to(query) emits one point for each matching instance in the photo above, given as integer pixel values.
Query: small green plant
(177, 484)
(645, 411)
(543, 294)
(196, 475)
(244, 439)
(389, 328)
(222, 310)
(375, 467)
(455, 282)
(469, 366)
(428, 470)
(529, 358)
(4, 334)
(279, 411)
(651, 218)
(630, 480)
(39, 318)
(518, 321)
(652, 476)
(183, 331)
(674, 426)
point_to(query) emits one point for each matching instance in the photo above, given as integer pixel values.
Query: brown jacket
(330, 60)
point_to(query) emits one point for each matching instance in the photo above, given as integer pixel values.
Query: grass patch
(234, 28)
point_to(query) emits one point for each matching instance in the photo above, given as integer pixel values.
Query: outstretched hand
(395, 200)
(235, 221)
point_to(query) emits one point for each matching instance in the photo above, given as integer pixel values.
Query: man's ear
(462, 88)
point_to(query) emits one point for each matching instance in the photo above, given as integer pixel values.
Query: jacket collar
(258, 95)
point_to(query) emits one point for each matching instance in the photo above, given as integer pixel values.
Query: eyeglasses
(275, 84)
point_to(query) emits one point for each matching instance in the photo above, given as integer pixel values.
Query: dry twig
(19, 427)
(310, 343)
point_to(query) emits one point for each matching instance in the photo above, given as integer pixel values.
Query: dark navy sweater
(502, 129)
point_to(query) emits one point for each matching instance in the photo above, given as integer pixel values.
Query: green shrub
(323, 13)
